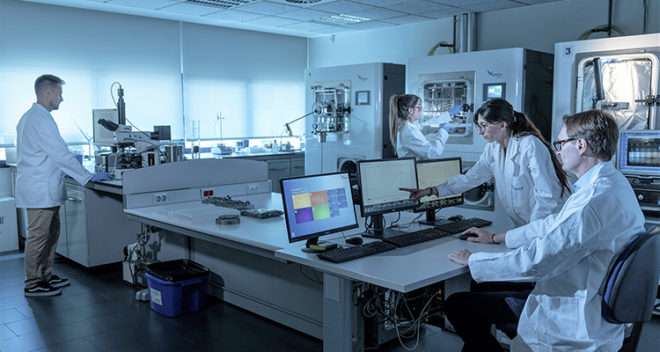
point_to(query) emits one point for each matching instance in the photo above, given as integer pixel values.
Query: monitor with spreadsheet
(317, 205)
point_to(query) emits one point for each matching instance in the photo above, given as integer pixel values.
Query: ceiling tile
(491, 5)
(303, 4)
(190, 9)
(461, 3)
(342, 6)
(304, 15)
(369, 25)
(309, 26)
(143, 4)
(418, 7)
(378, 2)
(443, 13)
(273, 21)
(234, 15)
(534, 2)
(376, 13)
(407, 19)
(266, 8)
(482, 5)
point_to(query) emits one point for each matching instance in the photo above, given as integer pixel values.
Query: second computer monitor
(380, 183)
(431, 173)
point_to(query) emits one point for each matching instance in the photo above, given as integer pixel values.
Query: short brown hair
(598, 128)
(45, 81)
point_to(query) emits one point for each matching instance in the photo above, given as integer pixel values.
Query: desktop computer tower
(380, 329)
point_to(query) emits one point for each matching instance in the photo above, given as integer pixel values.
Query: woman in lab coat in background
(405, 132)
(529, 180)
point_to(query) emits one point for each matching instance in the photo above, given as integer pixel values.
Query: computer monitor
(431, 173)
(380, 183)
(317, 205)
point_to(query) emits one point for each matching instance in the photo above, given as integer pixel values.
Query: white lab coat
(43, 159)
(411, 142)
(526, 184)
(568, 254)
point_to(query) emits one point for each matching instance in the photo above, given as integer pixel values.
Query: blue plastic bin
(177, 287)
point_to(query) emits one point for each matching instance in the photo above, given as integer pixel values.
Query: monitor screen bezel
(420, 208)
(320, 233)
(622, 153)
(392, 210)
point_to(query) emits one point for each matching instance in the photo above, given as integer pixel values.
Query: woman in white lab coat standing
(529, 180)
(405, 132)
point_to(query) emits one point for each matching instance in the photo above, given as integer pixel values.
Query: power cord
(417, 322)
(114, 101)
(395, 222)
(645, 6)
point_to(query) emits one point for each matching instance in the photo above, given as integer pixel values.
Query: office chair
(630, 286)
(628, 290)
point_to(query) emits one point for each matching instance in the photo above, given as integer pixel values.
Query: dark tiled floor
(99, 313)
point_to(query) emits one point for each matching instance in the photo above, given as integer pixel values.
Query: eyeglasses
(482, 125)
(560, 143)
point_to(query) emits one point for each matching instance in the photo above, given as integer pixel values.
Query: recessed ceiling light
(344, 19)
(223, 4)
(303, 2)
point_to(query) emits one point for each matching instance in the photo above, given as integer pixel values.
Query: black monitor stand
(378, 229)
(431, 219)
(313, 245)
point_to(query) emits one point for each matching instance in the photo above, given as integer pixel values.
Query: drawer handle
(71, 199)
(282, 169)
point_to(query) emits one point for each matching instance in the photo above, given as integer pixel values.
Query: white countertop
(267, 234)
(402, 269)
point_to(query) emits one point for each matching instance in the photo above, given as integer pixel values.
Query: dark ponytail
(500, 110)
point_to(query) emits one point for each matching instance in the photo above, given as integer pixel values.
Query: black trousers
(473, 313)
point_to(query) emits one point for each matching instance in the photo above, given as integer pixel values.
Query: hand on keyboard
(475, 234)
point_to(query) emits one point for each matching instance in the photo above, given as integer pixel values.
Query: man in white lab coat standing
(43, 161)
(567, 254)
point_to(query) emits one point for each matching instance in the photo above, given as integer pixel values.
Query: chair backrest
(631, 282)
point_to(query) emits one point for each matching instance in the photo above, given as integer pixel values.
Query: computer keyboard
(462, 225)
(411, 238)
(340, 255)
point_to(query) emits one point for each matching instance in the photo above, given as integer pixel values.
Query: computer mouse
(467, 235)
(355, 241)
(455, 218)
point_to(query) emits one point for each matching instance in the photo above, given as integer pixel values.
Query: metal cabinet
(277, 170)
(74, 236)
(282, 166)
(297, 167)
(93, 226)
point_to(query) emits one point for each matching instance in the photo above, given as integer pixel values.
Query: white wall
(224, 70)
(535, 27)
(539, 27)
(393, 45)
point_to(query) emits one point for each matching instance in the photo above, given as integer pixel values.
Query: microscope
(131, 149)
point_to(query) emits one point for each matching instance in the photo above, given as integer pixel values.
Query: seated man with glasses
(567, 254)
